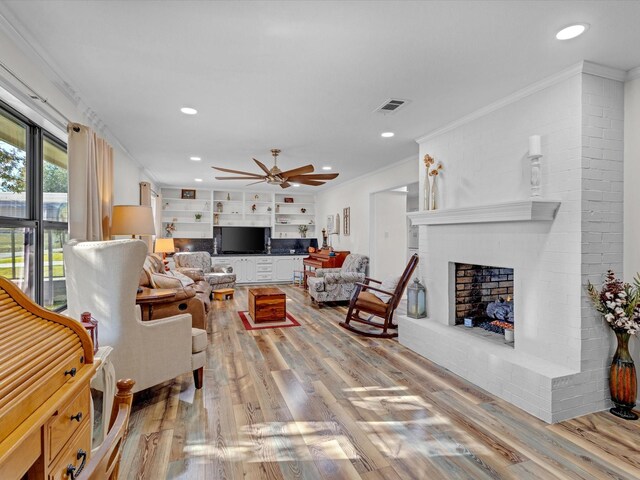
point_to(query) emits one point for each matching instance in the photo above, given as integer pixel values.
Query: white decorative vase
(427, 189)
(433, 193)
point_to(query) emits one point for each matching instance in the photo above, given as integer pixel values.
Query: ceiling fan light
(198, 179)
(295, 184)
(188, 110)
(387, 134)
(195, 159)
(326, 167)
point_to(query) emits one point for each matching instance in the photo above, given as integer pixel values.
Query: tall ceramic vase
(433, 193)
(427, 189)
(622, 380)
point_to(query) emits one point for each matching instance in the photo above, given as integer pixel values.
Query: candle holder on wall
(535, 154)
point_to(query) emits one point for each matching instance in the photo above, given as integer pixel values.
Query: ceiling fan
(275, 176)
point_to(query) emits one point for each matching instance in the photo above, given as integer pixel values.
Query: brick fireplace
(572, 233)
(477, 286)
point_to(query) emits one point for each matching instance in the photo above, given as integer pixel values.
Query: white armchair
(102, 278)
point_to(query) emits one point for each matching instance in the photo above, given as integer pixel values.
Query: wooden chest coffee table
(267, 305)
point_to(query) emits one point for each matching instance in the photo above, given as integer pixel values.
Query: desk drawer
(76, 453)
(69, 419)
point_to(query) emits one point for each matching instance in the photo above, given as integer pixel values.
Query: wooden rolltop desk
(46, 364)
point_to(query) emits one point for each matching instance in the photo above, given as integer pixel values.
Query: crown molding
(633, 74)
(408, 160)
(38, 57)
(604, 71)
(576, 69)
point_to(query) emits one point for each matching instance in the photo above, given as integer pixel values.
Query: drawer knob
(73, 471)
(71, 372)
(77, 417)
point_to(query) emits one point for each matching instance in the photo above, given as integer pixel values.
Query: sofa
(192, 297)
(197, 265)
(338, 284)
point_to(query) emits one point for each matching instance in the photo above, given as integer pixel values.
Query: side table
(149, 296)
(105, 381)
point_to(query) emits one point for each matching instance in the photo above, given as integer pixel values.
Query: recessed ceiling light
(326, 167)
(572, 31)
(295, 184)
(198, 179)
(188, 110)
(195, 159)
(387, 134)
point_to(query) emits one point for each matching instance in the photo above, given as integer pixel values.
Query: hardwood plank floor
(317, 402)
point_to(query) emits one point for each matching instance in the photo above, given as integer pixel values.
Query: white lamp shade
(164, 245)
(132, 220)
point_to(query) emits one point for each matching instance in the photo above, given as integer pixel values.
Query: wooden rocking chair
(367, 302)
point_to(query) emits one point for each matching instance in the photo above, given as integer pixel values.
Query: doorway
(391, 236)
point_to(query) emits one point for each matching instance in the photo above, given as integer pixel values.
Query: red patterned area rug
(249, 324)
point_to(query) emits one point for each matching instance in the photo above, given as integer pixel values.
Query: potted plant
(303, 230)
(198, 217)
(619, 304)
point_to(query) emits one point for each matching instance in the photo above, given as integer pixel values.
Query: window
(33, 208)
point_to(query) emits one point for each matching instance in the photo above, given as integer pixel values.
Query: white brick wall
(557, 331)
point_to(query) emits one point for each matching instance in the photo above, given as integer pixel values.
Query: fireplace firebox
(484, 294)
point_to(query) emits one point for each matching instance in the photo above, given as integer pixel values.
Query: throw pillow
(159, 280)
(186, 281)
(389, 284)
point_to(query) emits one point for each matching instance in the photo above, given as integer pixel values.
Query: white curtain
(90, 184)
(145, 199)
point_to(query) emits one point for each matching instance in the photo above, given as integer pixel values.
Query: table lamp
(132, 220)
(164, 246)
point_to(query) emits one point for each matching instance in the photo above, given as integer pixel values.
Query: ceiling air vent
(391, 106)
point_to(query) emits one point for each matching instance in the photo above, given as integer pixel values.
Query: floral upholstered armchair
(338, 284)
(197, 265)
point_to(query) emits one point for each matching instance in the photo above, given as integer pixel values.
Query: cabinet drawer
(263, 268)
(68, 420)
(263, 276)
(263, 261)
(76, 453)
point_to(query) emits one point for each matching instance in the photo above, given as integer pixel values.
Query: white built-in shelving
(283, 212)
(191, 217)
(292, 211)
(232, 207)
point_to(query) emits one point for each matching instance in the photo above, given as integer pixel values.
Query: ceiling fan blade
(315, 176)
(263, 180)
(313, 183)
(262, 166)
(228, 170)
(285, 185)
(238, 178)
(297, 171)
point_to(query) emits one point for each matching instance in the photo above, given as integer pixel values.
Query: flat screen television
(243, 239)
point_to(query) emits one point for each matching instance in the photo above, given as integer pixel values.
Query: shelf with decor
(292, 210)
(242, 208)
(188, 211)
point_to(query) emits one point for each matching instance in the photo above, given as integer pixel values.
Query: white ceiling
(306, 76)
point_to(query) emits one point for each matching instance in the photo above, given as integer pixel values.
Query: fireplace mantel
(520, 211)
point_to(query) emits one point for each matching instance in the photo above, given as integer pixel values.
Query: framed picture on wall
(346, 220)
(188, 194)
(329, 224)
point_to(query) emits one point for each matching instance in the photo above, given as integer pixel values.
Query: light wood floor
(316, 402)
